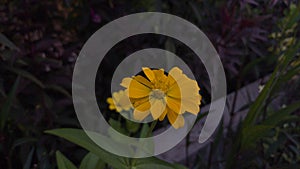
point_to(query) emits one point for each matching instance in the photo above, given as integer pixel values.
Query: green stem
(153, 124)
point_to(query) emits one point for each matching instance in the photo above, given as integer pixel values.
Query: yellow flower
(119, 101)
(163, 95)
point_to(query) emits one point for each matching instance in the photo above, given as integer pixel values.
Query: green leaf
(29, 159)
(21, 141)
(6, 42)
(132, 127)
(63, 162)
(178, 166)
(91, 161)
(59, 89)
(153, 162)
(8, 103)
(252, 134)
(195, 9)
(79, 137)
(117, 126)
(282, 114)
(26, 75)
(259, 103)
(293, 16)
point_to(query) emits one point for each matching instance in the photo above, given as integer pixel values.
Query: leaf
(26, 75)
(132, 127)
(79, 137)
(59, 89)
(42, 156)
(252, 133)
(8, 103)
(196, 11)
(21, 141)
(63, 162)
(6, 42)
(259, 103)
(91, 161)
(29, 159)
(281, 115)
(293, 16)
(153, 162)
(117, 126)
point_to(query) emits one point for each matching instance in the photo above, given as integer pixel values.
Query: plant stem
(153, 124)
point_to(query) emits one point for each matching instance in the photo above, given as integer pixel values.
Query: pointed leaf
(79, 137)
(91, 161)
(63, 162)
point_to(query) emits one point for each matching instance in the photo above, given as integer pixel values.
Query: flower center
(157, 94)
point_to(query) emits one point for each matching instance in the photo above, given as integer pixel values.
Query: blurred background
(40, 41)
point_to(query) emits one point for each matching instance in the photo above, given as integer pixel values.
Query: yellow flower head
(119, 101)
(163, 95)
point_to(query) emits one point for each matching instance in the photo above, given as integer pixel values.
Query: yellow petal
(176, 120)
(174, 91)
(189, 87)
(182, 80)
(191, 107)
(144, 106)
(163, 115)
(179, 122)
(174, 104)
(143, 80)
(112, 107)
(109, 100)
(118, 109)
(126, 82)
(139, 101)
(139, 115)
(111, 103)
(157, 108)
(138, 90)
(170, 80)
(149, 73)
(159, 73)
(125, 103)
(116, 96)
(176, 73)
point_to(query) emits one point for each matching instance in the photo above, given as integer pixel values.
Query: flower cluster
(159, 95)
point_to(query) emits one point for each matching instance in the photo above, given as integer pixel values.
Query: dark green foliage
(39, 43)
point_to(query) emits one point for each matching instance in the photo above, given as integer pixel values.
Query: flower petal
(109, 100)
(176, 120)
(176, 74)
(174, 91)
(138, 90)
(190, 106)
(143, 80)
(142, 111)
(163, 115)
(174, 104)
(138, 115)
(112, 107)
(143, 106)
(157, 108)
(149, 73)
(126, 82)
(119, 109)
